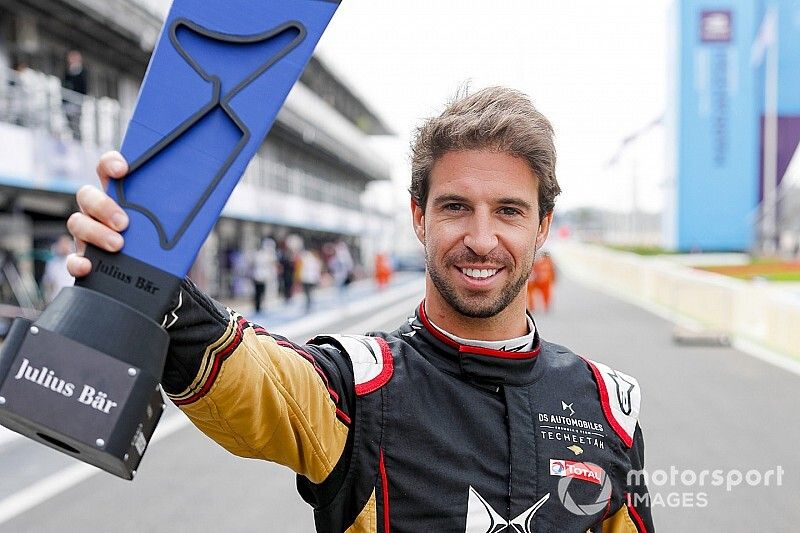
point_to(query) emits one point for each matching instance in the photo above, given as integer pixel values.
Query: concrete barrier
(757, 312)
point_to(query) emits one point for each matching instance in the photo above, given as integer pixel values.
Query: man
(461, 420)
(310, 274)
(541, 282)
(263, 269)
(76, 80)
(75, 77)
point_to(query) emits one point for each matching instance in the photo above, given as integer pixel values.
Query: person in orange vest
(383, 270)
(543, 276)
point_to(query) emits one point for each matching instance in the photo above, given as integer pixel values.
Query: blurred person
(75, 76)
(229, 257)
(286, 271)
(462, 419)
(339, 263)
(56, 276)
(383, 270)
(239, 272)
(76, 79)
(17, 100)
(328, 254)
(310, 275)
(540, 284)
(30, 100)
(263, 270)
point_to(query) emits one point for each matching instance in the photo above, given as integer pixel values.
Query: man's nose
(481, 236)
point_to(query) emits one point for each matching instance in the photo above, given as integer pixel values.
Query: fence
(35, 100)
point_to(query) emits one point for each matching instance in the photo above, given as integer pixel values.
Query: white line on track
(317, 322)
(50, 486)
(374, 321)
(777, 359)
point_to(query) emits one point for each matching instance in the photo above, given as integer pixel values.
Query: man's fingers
(78, 266)
(80, 247)
(85, 228)
(111, 165)
(100, 219)
(102, 207)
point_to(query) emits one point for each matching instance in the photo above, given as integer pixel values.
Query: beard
(479, 304)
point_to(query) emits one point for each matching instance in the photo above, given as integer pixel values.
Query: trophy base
(83, 379)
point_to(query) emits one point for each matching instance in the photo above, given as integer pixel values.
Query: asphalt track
(704, 409)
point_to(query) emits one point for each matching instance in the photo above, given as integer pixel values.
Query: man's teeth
(479, 272)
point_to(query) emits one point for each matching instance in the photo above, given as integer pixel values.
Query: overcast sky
(596, 69)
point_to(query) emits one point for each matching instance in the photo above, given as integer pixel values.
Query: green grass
(641, 250)
(768, 270)
(781, 276)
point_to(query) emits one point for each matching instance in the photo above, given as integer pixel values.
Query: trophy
(84, 377)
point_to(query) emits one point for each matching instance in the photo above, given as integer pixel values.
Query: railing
(35, 100)
(272, 175)
(158, 8)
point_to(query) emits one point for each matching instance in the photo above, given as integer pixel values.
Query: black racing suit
(409, 431)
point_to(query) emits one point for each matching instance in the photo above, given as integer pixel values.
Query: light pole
(624, 145)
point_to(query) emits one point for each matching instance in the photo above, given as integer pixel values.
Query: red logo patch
(578, 470)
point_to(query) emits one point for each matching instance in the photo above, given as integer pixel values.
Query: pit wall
(750, 311)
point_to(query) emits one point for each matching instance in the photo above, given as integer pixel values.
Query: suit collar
(475, 363)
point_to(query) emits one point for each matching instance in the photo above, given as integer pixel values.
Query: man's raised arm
(256, 394)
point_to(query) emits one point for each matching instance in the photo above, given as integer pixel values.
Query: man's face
(480, 228)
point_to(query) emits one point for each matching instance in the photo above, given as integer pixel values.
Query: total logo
(577, 470)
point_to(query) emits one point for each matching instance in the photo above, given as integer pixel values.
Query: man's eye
(510, 211)
(454, 207)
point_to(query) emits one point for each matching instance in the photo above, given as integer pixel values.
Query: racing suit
(410, 431)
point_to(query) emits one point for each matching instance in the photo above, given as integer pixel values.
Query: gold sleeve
(619, 522)
(260, 396)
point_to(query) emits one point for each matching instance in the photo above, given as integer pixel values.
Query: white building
(307, 179)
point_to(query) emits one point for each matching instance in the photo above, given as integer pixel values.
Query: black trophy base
(83, 379)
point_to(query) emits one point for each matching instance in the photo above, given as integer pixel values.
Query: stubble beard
(481, 305)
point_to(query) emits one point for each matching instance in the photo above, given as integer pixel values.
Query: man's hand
(100, 218)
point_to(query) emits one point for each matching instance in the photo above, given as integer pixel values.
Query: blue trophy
(84, 377)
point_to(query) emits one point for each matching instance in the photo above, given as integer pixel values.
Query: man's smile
(479, 276)
(479, 273)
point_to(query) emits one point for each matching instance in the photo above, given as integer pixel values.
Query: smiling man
(479, 224)
(461, 420)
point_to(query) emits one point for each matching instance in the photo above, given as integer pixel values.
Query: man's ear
(418, 218)
(544, 230)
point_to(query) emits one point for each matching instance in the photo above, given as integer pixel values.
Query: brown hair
(495, 118)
